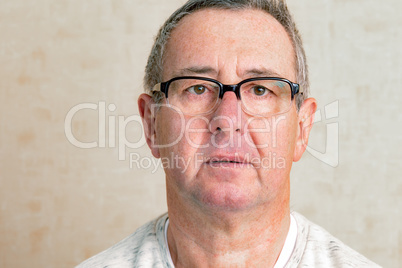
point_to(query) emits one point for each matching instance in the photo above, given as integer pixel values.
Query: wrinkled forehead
(222, 39)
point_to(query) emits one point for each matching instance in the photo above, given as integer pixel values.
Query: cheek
(284, 135)
(179, 139)
(274, 135)
(276, 138)
(174, 128)
(196, 132)
(169, 128)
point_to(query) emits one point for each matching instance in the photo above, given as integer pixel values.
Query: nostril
(238, 130)
(218, 129)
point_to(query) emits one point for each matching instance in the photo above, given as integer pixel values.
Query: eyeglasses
(261, 96)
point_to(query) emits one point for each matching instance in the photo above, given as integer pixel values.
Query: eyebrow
(262, 72)
(196, 70)
(202, 70)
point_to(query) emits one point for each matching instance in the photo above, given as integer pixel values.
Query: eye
(260, 90)
(197, 89)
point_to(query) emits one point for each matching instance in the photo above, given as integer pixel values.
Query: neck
(201, 238)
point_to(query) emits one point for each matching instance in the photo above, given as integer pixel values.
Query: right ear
(145, 106)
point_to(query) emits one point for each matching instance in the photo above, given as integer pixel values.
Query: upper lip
(231, 158)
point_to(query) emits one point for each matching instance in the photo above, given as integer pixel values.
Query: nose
(227, 116)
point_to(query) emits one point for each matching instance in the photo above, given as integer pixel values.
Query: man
(228, 114)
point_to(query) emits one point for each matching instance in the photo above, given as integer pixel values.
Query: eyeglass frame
(223, 88)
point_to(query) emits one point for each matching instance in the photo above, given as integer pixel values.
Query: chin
(225, 197)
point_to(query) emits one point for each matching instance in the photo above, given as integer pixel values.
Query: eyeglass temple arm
(157, 87)
(297, 89)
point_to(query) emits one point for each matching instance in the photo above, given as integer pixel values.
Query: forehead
(224, 41)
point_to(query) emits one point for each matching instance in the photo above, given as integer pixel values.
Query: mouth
(223, 161)
(227, 161)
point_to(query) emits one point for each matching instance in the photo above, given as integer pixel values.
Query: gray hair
(276, 8)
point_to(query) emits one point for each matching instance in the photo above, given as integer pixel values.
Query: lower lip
(228, 165)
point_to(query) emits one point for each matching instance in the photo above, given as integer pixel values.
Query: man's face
(228, 159)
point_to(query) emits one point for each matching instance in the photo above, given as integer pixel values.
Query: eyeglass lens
(259, 97)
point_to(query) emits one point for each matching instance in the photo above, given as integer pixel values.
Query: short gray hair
(276, 8)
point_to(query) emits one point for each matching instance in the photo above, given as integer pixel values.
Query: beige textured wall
(61, 204)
